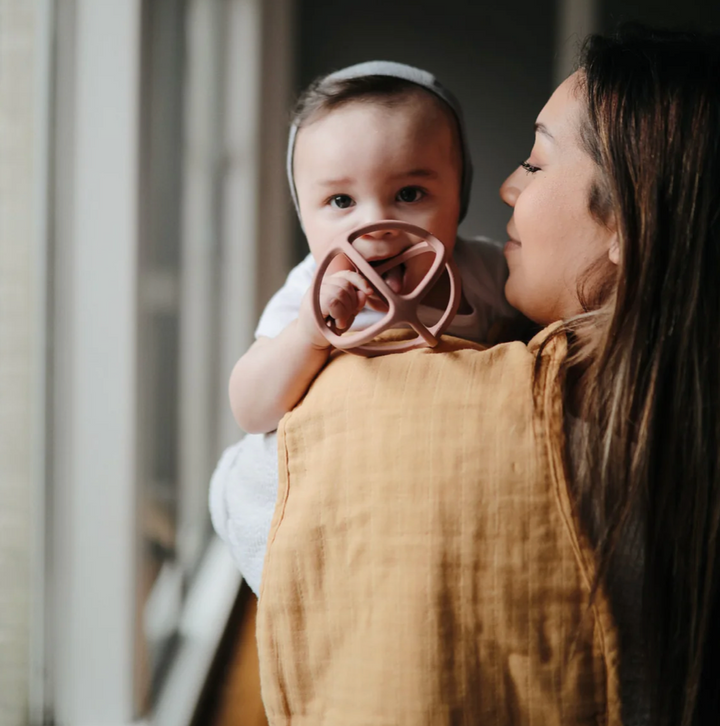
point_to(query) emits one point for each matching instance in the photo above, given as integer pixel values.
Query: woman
(618, 210)
(615, 232)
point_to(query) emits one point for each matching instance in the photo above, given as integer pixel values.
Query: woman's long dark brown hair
(648, 468)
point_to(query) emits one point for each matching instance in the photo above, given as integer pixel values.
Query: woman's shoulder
(478, 354)
(455, 368)
(548, 341)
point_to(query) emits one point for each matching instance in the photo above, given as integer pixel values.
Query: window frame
(84, 632)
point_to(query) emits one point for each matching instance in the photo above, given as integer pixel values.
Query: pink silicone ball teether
(402, 308)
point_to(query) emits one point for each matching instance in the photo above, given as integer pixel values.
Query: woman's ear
(614, 249)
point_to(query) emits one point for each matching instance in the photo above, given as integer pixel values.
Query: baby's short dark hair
(327, 93)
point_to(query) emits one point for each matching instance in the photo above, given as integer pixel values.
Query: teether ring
(402, 308)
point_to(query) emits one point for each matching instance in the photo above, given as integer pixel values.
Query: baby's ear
(614, 249)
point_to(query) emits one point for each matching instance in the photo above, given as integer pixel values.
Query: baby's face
(364, 162)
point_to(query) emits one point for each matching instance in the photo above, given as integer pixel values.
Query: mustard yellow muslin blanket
(425, 565)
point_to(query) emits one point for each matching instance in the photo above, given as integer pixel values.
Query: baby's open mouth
(394, 277)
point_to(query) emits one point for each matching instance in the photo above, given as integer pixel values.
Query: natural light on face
(553, 239)
(366, 162)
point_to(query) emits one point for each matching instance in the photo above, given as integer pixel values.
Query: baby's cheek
(417, 268)
(339, 264)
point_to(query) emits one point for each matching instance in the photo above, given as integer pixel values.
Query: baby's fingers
(340, 303)
(355, 279)
(341, 299)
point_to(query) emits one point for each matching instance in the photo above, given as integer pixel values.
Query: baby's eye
(410, 194)
(529, 168)
(341, 201)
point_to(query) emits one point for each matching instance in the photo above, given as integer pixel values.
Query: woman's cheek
(526, 214)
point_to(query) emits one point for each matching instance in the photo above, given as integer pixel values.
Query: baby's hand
(342, 296)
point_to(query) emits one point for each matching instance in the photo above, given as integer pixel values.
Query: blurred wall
(19, 34)
(695, 14)
(496, 57)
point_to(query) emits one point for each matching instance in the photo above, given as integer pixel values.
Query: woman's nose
(510, 189)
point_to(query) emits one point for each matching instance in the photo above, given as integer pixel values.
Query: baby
(374, 141)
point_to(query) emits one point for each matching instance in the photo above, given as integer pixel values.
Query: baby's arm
(276, 372)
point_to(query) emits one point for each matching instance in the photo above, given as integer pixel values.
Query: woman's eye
(529, 168)
(341, 201)
(410, 194)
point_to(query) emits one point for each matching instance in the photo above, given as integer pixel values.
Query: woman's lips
(512, 243)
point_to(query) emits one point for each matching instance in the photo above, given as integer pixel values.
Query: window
(163, 140)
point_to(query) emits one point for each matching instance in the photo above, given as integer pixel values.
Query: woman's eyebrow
(542, 129)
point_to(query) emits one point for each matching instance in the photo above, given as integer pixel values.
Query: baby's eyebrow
(412, 173)
(418, 173)
(335, 182)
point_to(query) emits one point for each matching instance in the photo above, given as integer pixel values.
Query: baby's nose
(380, 234)
(382, 243)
